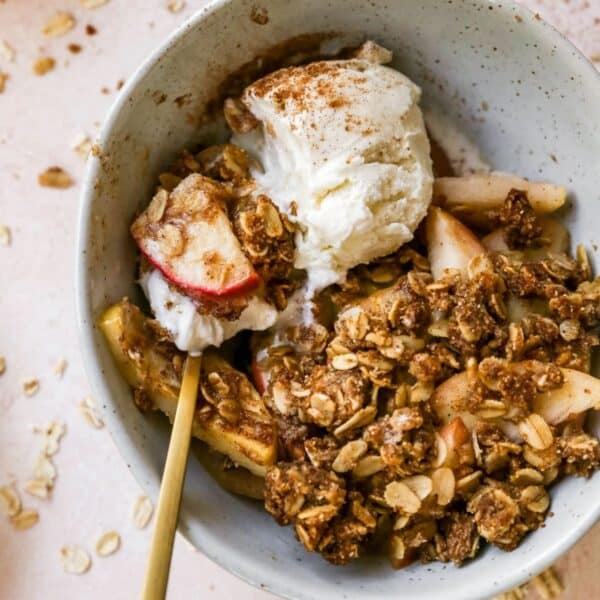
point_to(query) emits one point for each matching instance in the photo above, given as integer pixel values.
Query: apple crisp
(425, 404)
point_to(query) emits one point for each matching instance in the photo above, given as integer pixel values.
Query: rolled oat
(75, 560)
(25, 519)
(142, 512)
(108, 543)
(59, 24)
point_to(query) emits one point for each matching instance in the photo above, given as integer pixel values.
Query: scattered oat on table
(7, 52)
(37, 487)
(175, 6)
(3, 80)
(59, 24)
(108, 543)
(60, 368)
(10, 502)
(5, 235)
(75, 560)
(90, 413)
(82, 146)
(55, 177)
(52, 435)
(43, 65)
(25, 519)
(44, 469)
(516, 594)
(93, 3)
(31, 386)
(2, 365)
(44, 472)
(142, 512)
(547, 584)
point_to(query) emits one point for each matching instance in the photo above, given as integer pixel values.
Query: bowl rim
(85, 318)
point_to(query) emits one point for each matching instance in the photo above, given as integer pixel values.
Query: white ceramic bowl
(542, 121)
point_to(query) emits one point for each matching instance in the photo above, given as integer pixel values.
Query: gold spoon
(169, 499)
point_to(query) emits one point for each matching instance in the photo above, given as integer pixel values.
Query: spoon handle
(169, 500)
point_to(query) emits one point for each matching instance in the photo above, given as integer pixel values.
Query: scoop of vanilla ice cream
(192, 331)
(345, 155)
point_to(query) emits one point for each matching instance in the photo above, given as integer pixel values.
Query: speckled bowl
(514, 85)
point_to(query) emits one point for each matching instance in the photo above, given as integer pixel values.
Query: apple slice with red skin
(455, 433)
(450, 244)
(457, 437)
(260, 377)
(259, 363)
(187, 235)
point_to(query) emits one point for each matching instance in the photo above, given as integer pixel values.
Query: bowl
(517, 88)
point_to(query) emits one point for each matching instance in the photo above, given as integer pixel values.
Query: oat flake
(142, 512)
(25, 519)
(3, 80)
(93, 3)
(52, 435)
(59, 24)
(82, 146)
(75, 560)
(10, 503)
(108, 543)
(45, 469)
(37, 487)
(31, 386)
(175, 6)
(7, 52)
(5, 237)
(90, 413)
(60, 368)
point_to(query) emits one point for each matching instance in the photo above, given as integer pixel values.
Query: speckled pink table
(40, 117)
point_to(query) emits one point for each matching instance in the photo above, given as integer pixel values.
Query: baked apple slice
(473, 197)
(233, 479)
(187, 235)
(448, 398)
(234, 422)
(578, 393)
(450, 244)
(555, 238)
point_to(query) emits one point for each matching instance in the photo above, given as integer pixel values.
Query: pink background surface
(39, 119)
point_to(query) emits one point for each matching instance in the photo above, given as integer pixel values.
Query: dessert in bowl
(423, 371)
